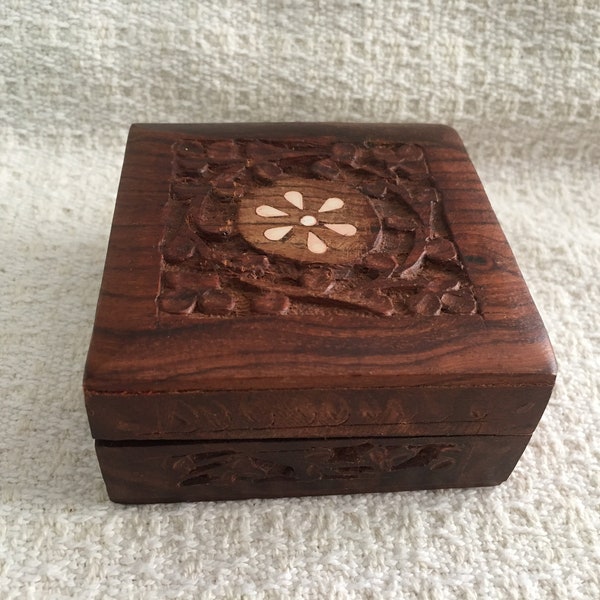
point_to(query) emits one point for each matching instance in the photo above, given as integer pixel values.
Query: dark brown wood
(418, 410)
(291, 281)
(180, 472)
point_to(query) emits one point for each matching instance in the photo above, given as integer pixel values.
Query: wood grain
(134, 350)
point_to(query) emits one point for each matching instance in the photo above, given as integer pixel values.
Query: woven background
(518, 79)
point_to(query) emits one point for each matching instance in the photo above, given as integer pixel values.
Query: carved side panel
(229, 470)
(348, 461)
(307, 227)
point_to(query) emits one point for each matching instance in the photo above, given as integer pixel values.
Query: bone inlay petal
(276, 233)
(270, 211)
(331, 204)
(294, 198)
(341, 228)
(315, 244)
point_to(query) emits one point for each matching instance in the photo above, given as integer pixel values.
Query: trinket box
(301, 309)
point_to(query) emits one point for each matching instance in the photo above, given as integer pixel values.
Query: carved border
(209, 270)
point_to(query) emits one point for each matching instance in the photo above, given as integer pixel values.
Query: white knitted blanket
(518, 79)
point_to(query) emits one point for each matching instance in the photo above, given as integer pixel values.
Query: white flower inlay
(313, 242)
(295, 198)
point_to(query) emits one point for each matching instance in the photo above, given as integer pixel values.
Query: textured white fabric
(518, 79)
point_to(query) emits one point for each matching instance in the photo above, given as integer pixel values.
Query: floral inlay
(307, 219)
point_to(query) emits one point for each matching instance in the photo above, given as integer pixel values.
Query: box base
(148, 472)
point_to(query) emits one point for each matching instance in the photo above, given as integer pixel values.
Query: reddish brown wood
(179, 472)
(308, 281)
(138, 347)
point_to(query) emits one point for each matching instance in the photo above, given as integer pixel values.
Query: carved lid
(303, 256)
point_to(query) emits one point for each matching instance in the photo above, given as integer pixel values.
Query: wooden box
(298, 309)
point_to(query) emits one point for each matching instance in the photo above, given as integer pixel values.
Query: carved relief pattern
(334, 461)
(307, 227)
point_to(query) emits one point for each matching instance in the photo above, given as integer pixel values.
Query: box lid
(285, 280)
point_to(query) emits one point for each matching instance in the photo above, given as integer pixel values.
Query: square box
(308, 308)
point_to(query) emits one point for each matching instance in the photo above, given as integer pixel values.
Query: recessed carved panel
(307, 227)
(326, 461)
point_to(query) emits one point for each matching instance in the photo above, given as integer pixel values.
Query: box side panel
(196, 471)
(425, 410)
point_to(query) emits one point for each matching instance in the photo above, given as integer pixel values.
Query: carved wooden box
(298, 309)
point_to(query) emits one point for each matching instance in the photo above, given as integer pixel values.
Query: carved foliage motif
(350, 461)
(303, 227)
